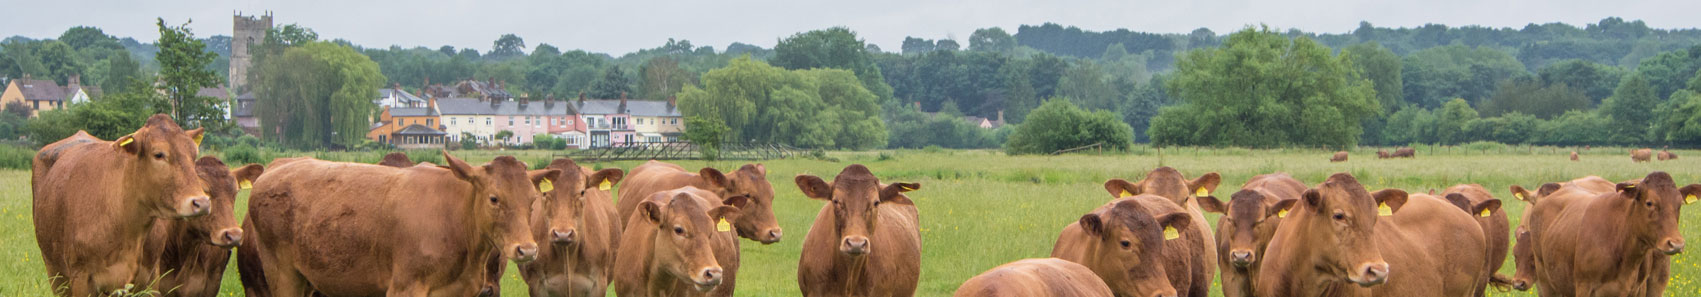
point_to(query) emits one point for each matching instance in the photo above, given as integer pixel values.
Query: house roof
(43, 90)
(401, 96)
(412, 112)
(598, 106)
(215, 92)
(417, 129)
(651, 109)
(471, 106)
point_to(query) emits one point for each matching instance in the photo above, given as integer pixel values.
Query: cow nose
(773, 236)
(1169, 293)
(855, 245)
(228, 237)
(1674, 246)
(1241, 258)
(525, 252)
(1371, 274)
(711, 278)
(1521, 285)
(562, 238)
(195, 206)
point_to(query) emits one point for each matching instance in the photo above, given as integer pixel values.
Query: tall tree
(1594, 80)
(817, 108)
(508, 46)
(1531, 97)
(1630, 109)
(663, 78)
(1382, 67)
(613, 84)
(947, 45)
(835, 47)
(992, 40)
(317, 95)
(121, 69)
(183, 73)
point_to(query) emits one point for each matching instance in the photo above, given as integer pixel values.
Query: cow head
(686, 231)
(1168, 183)
(397, 160)
(1654, 215)
(1523, 259)
(856, 197)
(1128, 245)
(1480, 211)
(219, 225)
(1250, 223)
(750, 182)
(563, 204)
(502, 197)
(162, 168)
(1337, 220)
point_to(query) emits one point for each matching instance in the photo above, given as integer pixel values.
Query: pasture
(980, 209)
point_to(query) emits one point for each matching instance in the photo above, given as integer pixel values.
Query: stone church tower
(249, 30)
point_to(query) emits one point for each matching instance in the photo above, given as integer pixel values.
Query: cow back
(1049, 277)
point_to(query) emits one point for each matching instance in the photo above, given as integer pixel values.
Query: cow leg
(408, 291)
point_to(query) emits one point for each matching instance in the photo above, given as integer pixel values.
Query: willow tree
(316, 95)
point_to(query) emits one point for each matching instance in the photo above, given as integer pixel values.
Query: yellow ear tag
(1282, 214)
(245, 184)
(902, 189)
(1171, 233)
(605, 185)
(1689, 199)
(1202, 193)
(127, 141)
(1382, 209)
(198, 139)
(1125, 193)
(723, 226)
(1484, 213)
(1519, 195)
(545, 186)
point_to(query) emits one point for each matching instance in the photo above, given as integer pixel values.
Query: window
(510, 121)
(569, 122)
(451, 121)
(487, 121)
(528, 120)
(428, 122)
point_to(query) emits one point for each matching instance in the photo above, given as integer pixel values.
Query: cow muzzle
(194, 206)
(524, 252)
(1242, 258)
(563, 238)
(707, 279)
(1370, 274)
(227, 238)
(854, 246)
(1672, 246)
(1521, 285)
(771, 236)
(1165, 293)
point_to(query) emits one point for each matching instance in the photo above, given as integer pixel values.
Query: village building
(42, 95)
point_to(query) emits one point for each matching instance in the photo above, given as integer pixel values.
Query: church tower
(249, 30)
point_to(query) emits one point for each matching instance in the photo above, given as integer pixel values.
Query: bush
(16, 157)
(431, 156)
(1058, 125)
(243, 154)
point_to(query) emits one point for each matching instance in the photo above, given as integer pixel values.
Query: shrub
(1058, 125)
(16, 157)
(243, 154)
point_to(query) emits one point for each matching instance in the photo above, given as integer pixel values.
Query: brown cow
(1249, 220)
(1383, 154)
(866, 242)
(1667, 156)
(668, 247)
(751, 181)
(94, 201)
(1339, 157)
(1169, 183)
(1607, 245)
(579, 223)
(414, 231)
(1143, 245)
(1340, 240)
(1551, 198)
(1573, 155)
(396, 159)
(1641, 155)
(1404, 152)
(1049, 277)
(179, 253)
(1485, 210)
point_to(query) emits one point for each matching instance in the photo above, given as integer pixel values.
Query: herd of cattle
(1637, 155)
(142, 209)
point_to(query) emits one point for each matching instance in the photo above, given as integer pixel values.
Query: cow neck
(1301, 261)
(1617, 209)
(481, 242)
(180, 248)
(132, 222)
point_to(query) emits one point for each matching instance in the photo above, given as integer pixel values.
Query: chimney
(549, 101)
(397, 86)
(431, 104)
(1001, 116)
(622, 108)
(581, 93)
(495, 103)
(672, 101)
(75, 83)
(525, 100)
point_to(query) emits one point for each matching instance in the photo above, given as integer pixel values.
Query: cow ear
(651, 211)
(128, 144)
(1313, 199)
(761, 169)
(1394, 199)
(724, 212)
(1211, 204)
(1547, 188)
(1522, 194)
(461, 169)
(605, 178)
(196, 135)
(1176, 220)
(894, 193)
(246, 175)
(1092, 224)
(813, 187)
(1485, 208)
(1689, 192)
(1628, 189)
(1205, 184)
(1460, 201)
(714, 177)
(1119, 188)
(738, 201)
(544, 179)
(1281, 209)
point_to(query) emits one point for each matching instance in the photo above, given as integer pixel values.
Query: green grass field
(980, 209)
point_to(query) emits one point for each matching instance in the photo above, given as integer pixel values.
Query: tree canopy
(317, 95)
(815, 108)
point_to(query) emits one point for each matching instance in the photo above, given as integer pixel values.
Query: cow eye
(1340, 216)
(159, 155)
(492, 199)
(678, 230)
(1126, 244)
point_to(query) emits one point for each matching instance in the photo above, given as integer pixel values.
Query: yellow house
(40, 95)
(409, 127)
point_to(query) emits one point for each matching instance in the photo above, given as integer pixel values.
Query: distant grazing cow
(1641, 155)
(751, 181)
(1142, 245)
(1344, 241)
(94, 201)
(349, 229)
(179, 251)
(1485, 210)
(1405, 152)
(1250, 218)
(1573, 156)
(1169, 183)
(580, 231)
(1339, 157)
(1383, 154)
(396, 159)
(667, 247)
(1666, 155)
(1615, 243)
(866, 242)
(1049, 277)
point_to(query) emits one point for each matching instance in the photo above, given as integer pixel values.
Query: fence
(680, 150)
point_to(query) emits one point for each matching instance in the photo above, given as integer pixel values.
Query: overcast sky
(621, 26)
